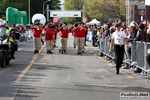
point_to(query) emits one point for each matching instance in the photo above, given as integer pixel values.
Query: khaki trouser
(63, 43)
(80, 43)
(74, 41)
(49, 45)
(83, 45)
(37, 43)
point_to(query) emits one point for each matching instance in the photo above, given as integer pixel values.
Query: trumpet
(37, 27)
(69, 26)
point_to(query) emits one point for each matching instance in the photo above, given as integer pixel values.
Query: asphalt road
(65, 76)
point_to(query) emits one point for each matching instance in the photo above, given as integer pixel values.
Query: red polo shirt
(79, 32)
(49, 32)
(64, 32)
(37, 31)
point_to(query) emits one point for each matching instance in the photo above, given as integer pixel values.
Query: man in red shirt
(49, 31)
(74, 40)
(64, 31)
(55, 35)
(37, 31)
(79, 33)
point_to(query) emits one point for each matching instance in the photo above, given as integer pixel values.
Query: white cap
(148, 51)
(131, 24)
(2, 22)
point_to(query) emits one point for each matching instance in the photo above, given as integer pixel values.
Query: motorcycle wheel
(7, 62)
(2, 60)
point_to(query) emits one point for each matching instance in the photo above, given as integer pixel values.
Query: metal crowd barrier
(106, 46)
(26, 36)
(138, 53)
(142, 51)
(147, 48)
(29, 33)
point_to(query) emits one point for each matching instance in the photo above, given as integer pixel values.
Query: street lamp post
(44, 4)
(29, 11)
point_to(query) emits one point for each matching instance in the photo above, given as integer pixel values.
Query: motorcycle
(5, 48)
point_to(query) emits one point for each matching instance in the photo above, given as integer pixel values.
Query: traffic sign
(63, 13)
(141, 5)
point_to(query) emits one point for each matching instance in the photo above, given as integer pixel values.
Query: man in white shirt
(119, 39)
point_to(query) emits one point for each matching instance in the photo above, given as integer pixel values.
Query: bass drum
(40, 17)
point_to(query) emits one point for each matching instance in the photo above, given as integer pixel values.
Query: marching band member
(49, 31)
(79, 33)
(74, 39)
(37, 32)
(55, 35)
(64, 31)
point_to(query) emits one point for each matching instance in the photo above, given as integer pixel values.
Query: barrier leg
(148, 76)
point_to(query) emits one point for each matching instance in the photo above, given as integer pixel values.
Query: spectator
(106, 31)
(141, 33)
(148, 32)
(148, 58)
(86, 35)
(94, 35)
(100, 40)
(133, 33)
(128, 52)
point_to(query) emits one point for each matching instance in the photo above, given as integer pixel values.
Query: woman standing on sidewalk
(120, 43)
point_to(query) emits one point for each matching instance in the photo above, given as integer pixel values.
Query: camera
(64, 26)
(37, 22)
(51, 25)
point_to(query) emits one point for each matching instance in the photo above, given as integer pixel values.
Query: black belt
(119, 45)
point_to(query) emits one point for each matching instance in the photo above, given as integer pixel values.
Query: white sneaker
(134, 63)
(128, 60)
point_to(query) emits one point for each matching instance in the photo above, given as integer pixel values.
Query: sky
(62, 2)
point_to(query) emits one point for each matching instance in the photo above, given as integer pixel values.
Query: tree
(104, 10)
(113, 9)
(36, 6)
(73, 5)
(92, 9)
(12, 3)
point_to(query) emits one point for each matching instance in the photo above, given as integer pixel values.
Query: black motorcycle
(5, 55)
(5, 48)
